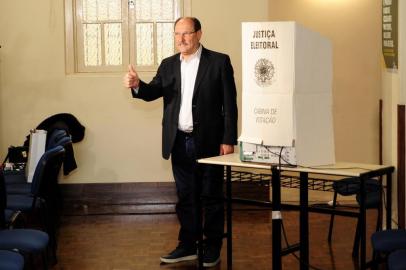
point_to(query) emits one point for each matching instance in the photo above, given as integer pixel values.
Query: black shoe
(179, 254)
(211, 256)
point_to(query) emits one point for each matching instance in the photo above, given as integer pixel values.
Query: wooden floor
(96, 238)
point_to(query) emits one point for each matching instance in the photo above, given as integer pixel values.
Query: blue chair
(64, 141)
(18, 180)
(26, 241)
(397, 260)
(15, 177)
(351, 186)
(46, 172)
(11, 260)
(54, 137)
(42, 193)
(15, 185)
(390, 246)
(388, 241)
(55, 192)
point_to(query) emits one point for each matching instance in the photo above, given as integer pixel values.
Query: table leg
(276, 220)
(362, 221)
(389, 201)
(304, 221)
(199, 223)
(229, 219)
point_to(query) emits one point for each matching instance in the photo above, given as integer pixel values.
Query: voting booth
(286, 95)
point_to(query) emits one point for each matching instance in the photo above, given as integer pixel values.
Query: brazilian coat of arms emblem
(264, 72)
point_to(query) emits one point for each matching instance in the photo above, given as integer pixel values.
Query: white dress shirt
(188, 72)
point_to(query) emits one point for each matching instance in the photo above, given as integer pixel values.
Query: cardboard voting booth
(286, 95)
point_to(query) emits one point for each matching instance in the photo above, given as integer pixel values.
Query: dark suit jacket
(214, 105)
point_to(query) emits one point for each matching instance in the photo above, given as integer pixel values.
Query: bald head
(196, 23)
(187, 35)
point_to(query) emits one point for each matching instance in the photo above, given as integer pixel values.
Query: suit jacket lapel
(203, 65)
(176, 68)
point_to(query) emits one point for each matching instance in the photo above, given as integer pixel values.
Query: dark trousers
(194, 182)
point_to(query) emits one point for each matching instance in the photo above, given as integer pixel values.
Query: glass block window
(154, 20)
(92, 44)
(109, 34)
(113, 44)
(165, 44)
(102, 32)
(144, 44)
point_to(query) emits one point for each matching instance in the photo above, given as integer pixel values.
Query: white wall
(123, 136)
(354, 29)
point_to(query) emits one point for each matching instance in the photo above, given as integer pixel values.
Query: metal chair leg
(357, 239)
(330, 231)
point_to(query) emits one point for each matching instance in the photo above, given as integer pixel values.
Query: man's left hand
(226, 149)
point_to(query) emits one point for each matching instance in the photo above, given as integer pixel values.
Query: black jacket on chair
(65, 121)
(214, 105)
(72, 126)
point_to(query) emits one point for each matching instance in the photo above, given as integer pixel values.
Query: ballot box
(286, 95)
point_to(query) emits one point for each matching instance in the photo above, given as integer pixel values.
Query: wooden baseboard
(137, 198)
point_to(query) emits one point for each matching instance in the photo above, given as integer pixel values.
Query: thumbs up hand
(131, 79)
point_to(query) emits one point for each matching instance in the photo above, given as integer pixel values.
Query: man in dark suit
(199, 120)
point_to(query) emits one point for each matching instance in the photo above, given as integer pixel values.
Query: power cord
(280, 157)
(283, 227)
(288, 164)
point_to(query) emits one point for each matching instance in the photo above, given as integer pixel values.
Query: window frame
(73, 27)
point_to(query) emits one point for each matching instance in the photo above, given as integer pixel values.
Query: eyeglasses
(186, 34)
